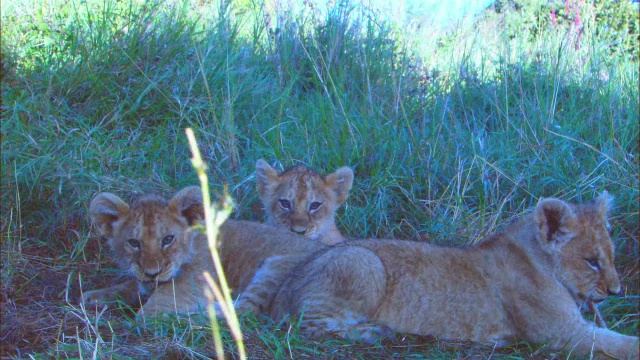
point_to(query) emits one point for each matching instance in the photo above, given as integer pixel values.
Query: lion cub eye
(134, 243)
(593, 263)
(315, 205)
(167, 240)
(285, 204)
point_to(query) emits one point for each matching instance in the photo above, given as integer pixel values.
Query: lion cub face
(303, 201)
(588, 270)
(150, 238)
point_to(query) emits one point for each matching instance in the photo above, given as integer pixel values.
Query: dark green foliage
(615, 22)
(448, 144)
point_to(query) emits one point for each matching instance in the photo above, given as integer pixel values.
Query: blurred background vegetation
(453, 127)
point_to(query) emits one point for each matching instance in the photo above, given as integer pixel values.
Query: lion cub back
(303, 201)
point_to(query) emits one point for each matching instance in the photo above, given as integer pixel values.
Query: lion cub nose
(152, 274)
(300, 230)
(614, 291)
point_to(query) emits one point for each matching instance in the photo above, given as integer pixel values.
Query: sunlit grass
(451, 134)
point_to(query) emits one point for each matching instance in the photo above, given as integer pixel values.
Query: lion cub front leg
(127, 292)
(183, 294)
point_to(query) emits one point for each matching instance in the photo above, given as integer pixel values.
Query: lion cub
(152, 240)
(527, 282)
(303, 201)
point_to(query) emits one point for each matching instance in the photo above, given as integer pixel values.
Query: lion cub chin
(153, 241)
(526, 282)
(303, 201)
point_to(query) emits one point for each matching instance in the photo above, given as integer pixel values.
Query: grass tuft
(453, 132)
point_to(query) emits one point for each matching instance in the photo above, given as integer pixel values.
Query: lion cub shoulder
(303, 201)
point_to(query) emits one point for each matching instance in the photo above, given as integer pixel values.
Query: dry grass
(452, 135)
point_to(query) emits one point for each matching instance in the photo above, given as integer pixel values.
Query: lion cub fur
(526, 282)
(152, 240)
(303, 201)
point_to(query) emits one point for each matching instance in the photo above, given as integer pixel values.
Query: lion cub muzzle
(300, 226)
(300, 230)
(152, 274)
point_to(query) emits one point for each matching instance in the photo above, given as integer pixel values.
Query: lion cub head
(151, 238)
(303, 201)
(586, 251)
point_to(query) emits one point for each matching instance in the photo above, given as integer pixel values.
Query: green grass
(451, 134)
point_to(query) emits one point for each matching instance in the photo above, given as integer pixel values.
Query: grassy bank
(451, 133)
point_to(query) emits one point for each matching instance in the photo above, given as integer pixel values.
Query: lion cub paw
(126, 292)
(95, 297)
(369, 333)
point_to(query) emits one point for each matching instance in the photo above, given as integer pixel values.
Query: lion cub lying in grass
(303, 201)
(152, 240)
(525, 282)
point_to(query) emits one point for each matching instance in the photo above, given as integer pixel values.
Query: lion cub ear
(265, 175)
(604, 202)
(556, 222)
(188, 203)
(105, 209)
(341, 181)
